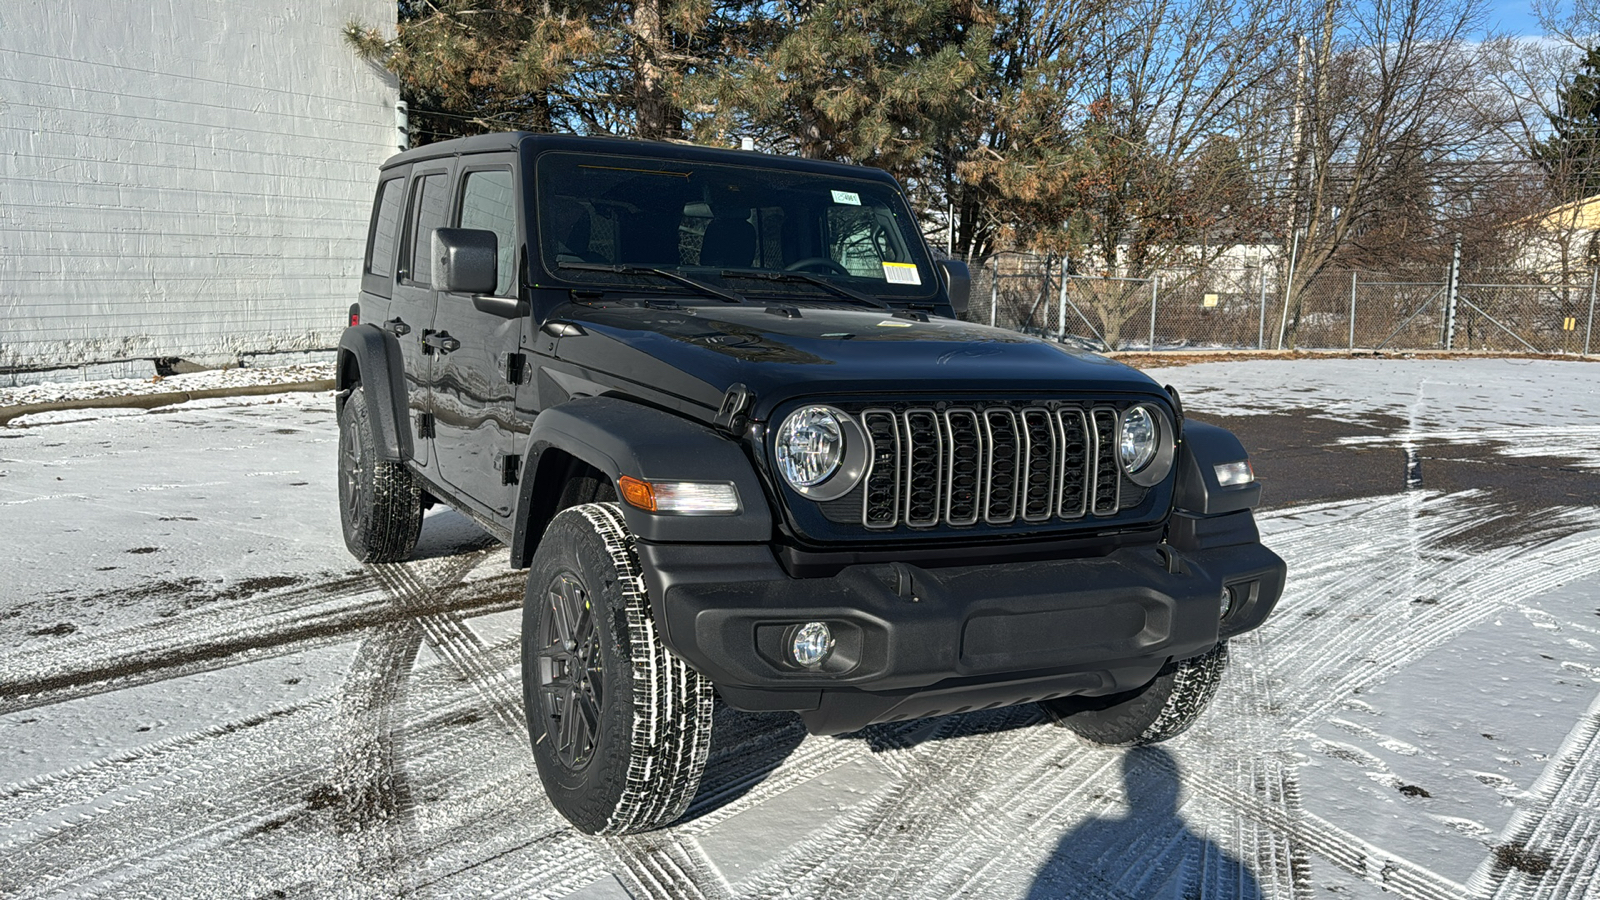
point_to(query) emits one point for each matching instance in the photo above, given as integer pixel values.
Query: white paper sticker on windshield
(890, 323)
(847, 198)
(901, 273)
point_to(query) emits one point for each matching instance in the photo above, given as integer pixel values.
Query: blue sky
(1515, 17)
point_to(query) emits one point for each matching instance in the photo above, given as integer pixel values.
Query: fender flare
(372, 357)
(620, 437)
(1198, 491)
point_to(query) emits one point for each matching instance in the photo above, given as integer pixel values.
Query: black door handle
(396, 327)
(440, 341)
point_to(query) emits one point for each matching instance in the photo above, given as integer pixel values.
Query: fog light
(1227, 602)
(812, 644)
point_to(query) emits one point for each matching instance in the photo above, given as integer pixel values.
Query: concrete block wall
(183, 178)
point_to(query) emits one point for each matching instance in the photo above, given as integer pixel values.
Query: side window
(430, 201)
(385, 228)
(487, 202)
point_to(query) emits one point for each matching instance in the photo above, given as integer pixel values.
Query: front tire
(1159, 711)
(380, 501)
(620, 727)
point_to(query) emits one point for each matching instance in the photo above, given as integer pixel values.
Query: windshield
(733, 224)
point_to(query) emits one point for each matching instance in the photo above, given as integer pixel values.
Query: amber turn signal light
(637, 493)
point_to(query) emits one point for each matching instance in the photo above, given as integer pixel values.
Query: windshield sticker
(891, 323)
(847, 198)
(901, 273)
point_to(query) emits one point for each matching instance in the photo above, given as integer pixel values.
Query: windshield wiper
(624, 269)
(810, 278)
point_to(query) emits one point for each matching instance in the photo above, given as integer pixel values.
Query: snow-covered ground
(210, 379)
(202, 695)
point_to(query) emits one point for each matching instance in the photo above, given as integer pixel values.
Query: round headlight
(810, 446)
(1140, 440)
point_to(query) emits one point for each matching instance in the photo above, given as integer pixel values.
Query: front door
(473, 392)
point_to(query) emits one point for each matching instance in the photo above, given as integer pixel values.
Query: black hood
(696, 352)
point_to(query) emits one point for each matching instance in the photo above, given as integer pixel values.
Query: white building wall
(185, 178)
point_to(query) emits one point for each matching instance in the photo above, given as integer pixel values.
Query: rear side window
(430, 202)
(486, 203)
(385, 228)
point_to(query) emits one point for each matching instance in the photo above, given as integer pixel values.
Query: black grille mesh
(966, 450)
(924, 443)
(993, 464)
(883, 481)
(1004, 466)
(1038, 491)
(1105, 469)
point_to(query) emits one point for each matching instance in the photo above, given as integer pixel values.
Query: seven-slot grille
(996, 465)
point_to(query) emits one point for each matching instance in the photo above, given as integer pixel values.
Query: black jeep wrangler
(721, 405)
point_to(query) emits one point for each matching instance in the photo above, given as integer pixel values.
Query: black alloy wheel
(571, 678)
(380, 500)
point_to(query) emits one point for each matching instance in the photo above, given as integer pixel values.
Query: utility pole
(402, 125)
(1296, 167)
(1453, 290)
(1594, 279)
(1352, 311)
(950, 225)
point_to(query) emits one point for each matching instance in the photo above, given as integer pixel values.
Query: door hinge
(509, 465)
(425, 425)
(515, 366)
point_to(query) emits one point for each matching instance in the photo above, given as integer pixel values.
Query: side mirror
(959, 281)
(464, 260)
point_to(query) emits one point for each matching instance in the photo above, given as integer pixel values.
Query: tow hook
(1170, 558)
(730, 416)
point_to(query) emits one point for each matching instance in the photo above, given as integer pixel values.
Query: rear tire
(380, 501)
(1159, 711)
(620, 727)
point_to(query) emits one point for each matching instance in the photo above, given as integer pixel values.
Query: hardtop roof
(538, 143)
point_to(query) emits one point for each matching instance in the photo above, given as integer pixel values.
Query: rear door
(473, 384)
(411, 309)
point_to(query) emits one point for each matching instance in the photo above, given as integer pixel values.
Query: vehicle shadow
(746, 748)
(1149, 852)
(905, 735)
(446, 532)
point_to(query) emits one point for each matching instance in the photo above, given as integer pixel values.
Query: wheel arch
(1202, 449)
(619, 437)
(371, 358)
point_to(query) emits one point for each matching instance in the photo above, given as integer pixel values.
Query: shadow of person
(1148, 853)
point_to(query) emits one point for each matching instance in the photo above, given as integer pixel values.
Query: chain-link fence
(1251, 307)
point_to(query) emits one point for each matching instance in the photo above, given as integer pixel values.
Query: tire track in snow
(170, 803)
(482, 822)
(452, 640)
(936, 815)
(1551, 846)
(1341, 627)
(1352, 642)
(267, 626)
(367, 794)
(370, 793)
(661, 865)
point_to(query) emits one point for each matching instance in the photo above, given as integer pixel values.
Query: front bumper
(919, 641)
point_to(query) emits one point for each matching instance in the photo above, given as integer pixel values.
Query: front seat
(729, 242)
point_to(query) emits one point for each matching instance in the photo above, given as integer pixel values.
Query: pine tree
(1571, 154)
(879, 82)
(471, 66)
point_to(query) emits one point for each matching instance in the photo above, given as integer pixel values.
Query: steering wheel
(832, 267)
